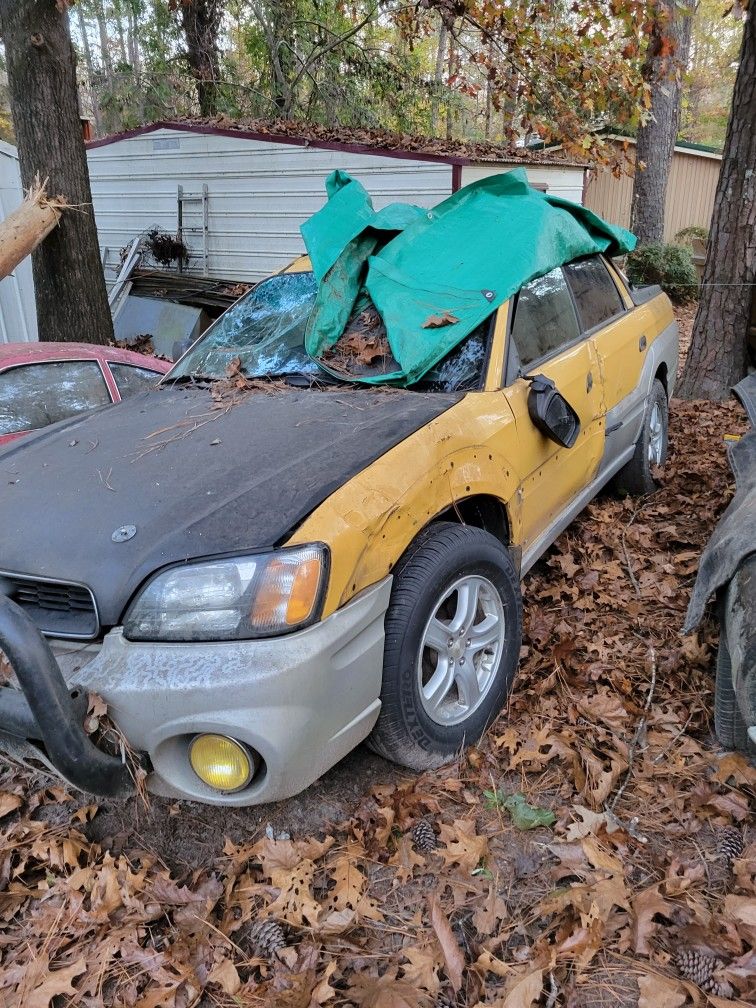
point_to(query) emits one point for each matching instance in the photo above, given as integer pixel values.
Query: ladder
(191, 200)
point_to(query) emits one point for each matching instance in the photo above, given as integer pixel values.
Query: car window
(463, 368)
(544, 318)
(131, 379)
(596, 295)
(35, 395)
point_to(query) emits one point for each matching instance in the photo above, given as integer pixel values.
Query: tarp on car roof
(458, 261)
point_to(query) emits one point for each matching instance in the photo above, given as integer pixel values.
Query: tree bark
(200, 20)
(666, 58)
(69, 284)
(717, 355)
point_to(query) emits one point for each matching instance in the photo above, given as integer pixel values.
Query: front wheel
(651, 447)
(453, 634)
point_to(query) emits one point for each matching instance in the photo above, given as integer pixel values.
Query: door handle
(589, 382)
(642, 343)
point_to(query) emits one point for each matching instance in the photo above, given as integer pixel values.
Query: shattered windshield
(265, 331)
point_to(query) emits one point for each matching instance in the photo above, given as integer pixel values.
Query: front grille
(56, 608)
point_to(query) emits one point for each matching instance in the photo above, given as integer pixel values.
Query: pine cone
(266, 938)
(730, 843)
(423, 837)
(700, 968)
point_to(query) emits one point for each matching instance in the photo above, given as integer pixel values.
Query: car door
(545, 338)
(620, 335)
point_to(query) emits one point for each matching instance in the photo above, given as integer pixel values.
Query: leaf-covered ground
(595, 849)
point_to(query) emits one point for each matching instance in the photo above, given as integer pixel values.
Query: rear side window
(544, 319)
(35, 395)
(596, 296)
(131, 380)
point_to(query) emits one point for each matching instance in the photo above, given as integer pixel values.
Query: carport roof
(356, 141)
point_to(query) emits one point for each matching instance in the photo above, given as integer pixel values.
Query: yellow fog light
(221, 762)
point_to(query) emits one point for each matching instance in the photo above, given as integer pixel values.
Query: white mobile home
(18, 317)
(238, 197)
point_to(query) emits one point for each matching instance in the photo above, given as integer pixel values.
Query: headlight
(234, 599)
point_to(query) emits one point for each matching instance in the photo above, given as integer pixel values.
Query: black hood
(224, 481)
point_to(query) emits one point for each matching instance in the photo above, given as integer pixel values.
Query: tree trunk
(69, 284)
(438, 78)
(666, 58)
(25, 228)
(200, 20)
(90, 69)
(107, 62)
(717, 355)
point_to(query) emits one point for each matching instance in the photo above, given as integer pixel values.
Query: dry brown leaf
(453, 956)
(742, 908)
(55, 983)
(523, 993)
(226, 976)
(421, 968)
(464, 846)
(646, 905)
(367, 991)
(9, 803)
(438, 321)
(658, 991)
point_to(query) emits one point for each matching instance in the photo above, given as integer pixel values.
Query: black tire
(441, 555)
(735, 608)
(636, 478)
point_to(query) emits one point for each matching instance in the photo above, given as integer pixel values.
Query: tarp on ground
(463, 258)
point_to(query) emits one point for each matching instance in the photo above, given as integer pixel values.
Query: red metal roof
(355, 141)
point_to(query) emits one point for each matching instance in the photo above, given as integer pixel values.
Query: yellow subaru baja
(277, 554)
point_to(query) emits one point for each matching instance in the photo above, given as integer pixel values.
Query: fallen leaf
(453, 956)
(55, 983)
(438, 321)
(9, 803)
(525, 816)
(226, 976)
(657, 991)
(464, 846)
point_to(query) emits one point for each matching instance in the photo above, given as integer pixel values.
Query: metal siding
(259, 193)
(561, 180)
(18, 315)
(690, 193)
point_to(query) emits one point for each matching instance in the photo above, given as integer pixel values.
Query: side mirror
(551, 413)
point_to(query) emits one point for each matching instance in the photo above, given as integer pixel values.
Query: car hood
(196, 477)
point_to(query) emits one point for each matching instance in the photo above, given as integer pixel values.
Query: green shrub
(670, 266)
(687, 234)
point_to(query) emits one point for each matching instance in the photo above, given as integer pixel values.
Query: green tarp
(464, 257)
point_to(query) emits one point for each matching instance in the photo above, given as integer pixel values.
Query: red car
(44, 382)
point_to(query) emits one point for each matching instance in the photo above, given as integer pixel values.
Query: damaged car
(314, 531)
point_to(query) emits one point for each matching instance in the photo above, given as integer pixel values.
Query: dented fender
(369, 522)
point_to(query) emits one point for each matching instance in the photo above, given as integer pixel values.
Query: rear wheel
(453, 633)
(651, 447)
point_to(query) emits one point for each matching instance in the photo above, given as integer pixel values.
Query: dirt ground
(596, 848)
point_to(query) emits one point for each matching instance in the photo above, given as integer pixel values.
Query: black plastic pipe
(68, 747)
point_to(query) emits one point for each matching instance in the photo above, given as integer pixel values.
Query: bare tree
(666, 58)
(69, 284)
(717, 356)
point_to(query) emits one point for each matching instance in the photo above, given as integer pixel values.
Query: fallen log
(25, 228)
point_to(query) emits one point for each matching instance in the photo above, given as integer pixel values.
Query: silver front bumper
(302, 701)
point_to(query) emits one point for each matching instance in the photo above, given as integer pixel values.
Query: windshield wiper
(186, 379)
(298, 379)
